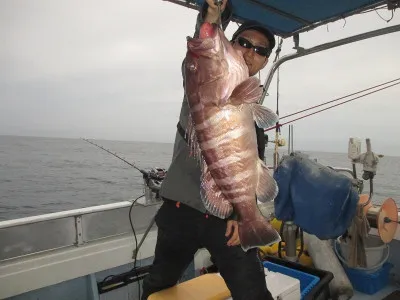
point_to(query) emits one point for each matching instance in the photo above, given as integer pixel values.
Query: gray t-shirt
(182, 182)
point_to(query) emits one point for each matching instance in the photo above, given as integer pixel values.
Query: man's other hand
(232, 229)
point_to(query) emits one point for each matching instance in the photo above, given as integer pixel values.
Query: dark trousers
(181, 232)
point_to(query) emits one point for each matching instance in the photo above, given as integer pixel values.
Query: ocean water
(44, 175)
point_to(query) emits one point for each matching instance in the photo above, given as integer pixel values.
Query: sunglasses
(245, 43)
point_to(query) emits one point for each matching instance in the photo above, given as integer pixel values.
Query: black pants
(181, 232)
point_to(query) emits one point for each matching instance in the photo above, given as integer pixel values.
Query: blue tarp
(286, 17)
(320, 200)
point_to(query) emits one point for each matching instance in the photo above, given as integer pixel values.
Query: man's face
(255, 61)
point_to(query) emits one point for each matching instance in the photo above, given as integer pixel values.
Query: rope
(358, 233)
(318, 111)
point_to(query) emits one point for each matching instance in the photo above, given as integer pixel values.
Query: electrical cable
(136, 243)
(136, 246)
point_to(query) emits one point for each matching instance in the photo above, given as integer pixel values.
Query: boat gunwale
(96, 209)
(67, 214)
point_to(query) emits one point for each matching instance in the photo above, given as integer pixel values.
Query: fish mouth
(197, 44)
(206, 40)
(208, 30)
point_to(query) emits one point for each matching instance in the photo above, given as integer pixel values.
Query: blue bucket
(369, 283)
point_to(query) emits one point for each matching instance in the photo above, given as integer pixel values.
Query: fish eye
(191, 66)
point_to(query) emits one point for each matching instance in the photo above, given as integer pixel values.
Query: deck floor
(378, 296)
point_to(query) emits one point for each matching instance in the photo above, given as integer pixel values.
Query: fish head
(213, 68)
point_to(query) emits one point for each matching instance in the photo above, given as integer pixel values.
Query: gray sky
(111, 70)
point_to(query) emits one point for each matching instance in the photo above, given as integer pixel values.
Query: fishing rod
(117, 156)
(151, 179)
(341, 98)
(329, 107)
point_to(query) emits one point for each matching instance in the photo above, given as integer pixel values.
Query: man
(183, 223)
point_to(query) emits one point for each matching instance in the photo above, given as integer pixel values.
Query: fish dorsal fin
(249, 91)
(267, 188)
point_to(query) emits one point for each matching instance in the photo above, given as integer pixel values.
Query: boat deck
(47, 255)
(379, 295)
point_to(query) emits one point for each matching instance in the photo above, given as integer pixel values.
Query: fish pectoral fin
(257, 232)
(249, 91)
(214, 200)
(263, 116)
(267, 188)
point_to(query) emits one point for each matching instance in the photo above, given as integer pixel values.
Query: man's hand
(232, 228)
(212, 12)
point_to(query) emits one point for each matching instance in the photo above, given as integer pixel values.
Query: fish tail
(256, 233)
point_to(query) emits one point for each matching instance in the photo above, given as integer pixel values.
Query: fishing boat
(103, 252)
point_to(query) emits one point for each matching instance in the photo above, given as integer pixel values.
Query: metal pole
(326, 46)
(292, 141)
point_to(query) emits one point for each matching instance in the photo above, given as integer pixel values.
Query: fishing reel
(281, 142)
(155, 176)
(152, 181)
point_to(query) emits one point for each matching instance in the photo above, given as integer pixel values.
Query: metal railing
(63, 214)
(29, 235)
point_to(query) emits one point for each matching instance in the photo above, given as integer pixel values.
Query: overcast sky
(111, 70)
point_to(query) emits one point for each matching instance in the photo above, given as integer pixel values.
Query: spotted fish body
(223, 108)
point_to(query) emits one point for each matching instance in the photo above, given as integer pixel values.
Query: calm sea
(43, 175)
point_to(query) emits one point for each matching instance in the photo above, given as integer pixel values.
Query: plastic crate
(321, 290)
(307, 281)
(369, 283)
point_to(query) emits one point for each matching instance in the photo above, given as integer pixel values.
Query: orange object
(376, 217)
(387, 230)
(205, 287)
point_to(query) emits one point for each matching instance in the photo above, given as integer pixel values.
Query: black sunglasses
(245, 43)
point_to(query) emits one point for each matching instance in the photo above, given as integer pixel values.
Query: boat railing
(71, 228)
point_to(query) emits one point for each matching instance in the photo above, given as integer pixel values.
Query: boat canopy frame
(322, 47)
(307, 15)
(289, 18)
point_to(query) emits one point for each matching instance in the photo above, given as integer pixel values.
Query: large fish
(223, 107)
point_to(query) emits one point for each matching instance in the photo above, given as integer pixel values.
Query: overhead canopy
(287, 17)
